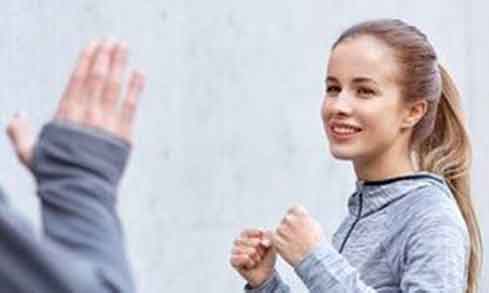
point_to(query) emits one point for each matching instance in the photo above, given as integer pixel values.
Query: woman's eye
(365, 91)
(333, 89)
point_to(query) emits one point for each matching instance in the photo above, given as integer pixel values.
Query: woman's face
(362, 109)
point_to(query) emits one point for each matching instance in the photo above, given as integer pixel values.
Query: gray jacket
(82, 248)
(401, 235)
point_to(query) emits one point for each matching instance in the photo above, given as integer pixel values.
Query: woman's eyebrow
(355, 80)
(364, 80)
(331, 79)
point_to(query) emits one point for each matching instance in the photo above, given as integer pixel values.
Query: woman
(392, 110)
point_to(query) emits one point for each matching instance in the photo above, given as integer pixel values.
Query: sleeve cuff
(269, 286)
(64, 146)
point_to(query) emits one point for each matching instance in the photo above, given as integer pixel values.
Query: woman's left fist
(297, 235)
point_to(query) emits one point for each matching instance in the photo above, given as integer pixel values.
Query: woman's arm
(435, 260)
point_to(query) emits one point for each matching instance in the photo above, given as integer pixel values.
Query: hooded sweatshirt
(404, 234)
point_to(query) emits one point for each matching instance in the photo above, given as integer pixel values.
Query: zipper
(359, 215)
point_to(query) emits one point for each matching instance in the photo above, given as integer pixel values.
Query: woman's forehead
(363, 57)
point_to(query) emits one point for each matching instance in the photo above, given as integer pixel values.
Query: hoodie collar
(371, 196)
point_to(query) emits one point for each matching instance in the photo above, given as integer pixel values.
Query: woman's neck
(388, 165)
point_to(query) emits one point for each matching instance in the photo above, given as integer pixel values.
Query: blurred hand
(297, 235)
(91, 99)
(253, 257)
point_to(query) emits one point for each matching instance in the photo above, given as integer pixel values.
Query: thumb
(22, 138)
(267, 239)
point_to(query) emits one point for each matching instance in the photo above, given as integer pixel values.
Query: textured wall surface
(228, 133)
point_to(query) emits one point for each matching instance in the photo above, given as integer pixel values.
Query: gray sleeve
(82, 249)
(272, 285)
(434, 260)
(325, 270)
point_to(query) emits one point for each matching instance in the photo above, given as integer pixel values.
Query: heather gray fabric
(400, 235)
(82, 249)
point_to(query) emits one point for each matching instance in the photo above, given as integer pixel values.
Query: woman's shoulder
(429, 207)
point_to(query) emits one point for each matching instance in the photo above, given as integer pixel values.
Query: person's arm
(325, 270)
(77, 163)
(434, 262)
(78, 172)
(30, 264)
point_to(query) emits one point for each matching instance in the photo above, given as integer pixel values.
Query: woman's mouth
(343, 131)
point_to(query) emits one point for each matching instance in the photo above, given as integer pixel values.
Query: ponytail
(447, 152)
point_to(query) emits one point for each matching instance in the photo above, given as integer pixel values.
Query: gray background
(228, 133)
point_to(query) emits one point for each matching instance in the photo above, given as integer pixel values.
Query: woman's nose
(341, 104)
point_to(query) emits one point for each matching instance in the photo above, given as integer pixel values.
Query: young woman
(394, 112)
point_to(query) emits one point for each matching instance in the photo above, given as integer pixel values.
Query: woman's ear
(414, 113)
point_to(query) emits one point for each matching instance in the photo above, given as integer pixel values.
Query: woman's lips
(343, 131)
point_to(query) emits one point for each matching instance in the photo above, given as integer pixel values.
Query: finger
(241, 261)
(113, 86)
(297, 209)
(253, 248)
(282, 231)
(72, 98)
(277, 241)
(249, 233)
(129, 105)
(288, 219)
(252, 252)
(250, 264)
(97, 78)
(247, 242)
(261, 251)
(22, 138)
(267, 239)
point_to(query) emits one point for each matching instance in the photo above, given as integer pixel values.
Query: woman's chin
(342, 154)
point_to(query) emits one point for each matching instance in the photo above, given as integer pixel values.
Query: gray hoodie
(82, 250)
(401, 235)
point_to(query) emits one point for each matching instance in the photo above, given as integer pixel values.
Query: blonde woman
(393, 111)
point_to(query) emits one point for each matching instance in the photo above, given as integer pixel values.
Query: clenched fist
(297, 235)
(253, 257)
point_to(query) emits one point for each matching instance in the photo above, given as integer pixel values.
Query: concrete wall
(228, 133)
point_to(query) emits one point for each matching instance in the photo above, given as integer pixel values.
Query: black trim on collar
(394, 179)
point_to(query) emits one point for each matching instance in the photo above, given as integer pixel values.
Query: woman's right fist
(253, 256)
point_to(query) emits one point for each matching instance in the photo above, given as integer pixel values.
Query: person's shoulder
(433, 207)
(431, 204)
